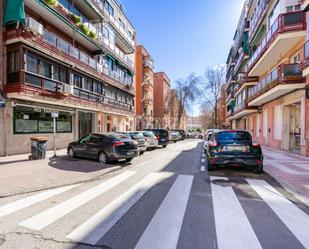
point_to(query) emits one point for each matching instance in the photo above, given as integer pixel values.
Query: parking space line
(202, 168)
(203, 160)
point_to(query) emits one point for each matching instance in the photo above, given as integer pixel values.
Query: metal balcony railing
(285, 73)
(259, 12)
(292, 21)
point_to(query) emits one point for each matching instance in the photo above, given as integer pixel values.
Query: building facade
(221, 109)
(73, 58)
(267, 89)
(161, 96)
(194, 122)
(144, 89)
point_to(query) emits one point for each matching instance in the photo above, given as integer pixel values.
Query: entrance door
(295, 127)
(84, 123)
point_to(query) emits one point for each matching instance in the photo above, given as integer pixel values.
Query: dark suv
(234, 148)
(182, 133)
(162, 136)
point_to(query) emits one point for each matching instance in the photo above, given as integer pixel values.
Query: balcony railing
(259, 12)
(305, 62)
(285, 73)
(293, 21)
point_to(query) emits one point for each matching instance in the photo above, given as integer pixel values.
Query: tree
(185, 90)
(213, 81)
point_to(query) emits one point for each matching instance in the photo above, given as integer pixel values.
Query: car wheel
(103, 158)
(259, 169)
(129, 160)
(142, 152)
(210, 167)
(71, 152)
(164, 146)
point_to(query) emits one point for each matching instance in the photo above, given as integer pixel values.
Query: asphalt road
(163, 200)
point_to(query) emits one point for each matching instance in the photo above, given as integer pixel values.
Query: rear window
(137, 135)
(233, 135)
(116, 136)
(163, 133)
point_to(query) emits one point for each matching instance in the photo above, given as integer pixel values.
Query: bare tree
(211, 88)
(186, 90)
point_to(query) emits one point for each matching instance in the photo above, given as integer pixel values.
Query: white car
(151, 139)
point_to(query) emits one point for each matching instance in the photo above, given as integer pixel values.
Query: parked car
(174, 136)
(162, 136)
(151, 140)
(182, 133)
(105, 147)
(234, 148)
(139, 137)
(207, 140)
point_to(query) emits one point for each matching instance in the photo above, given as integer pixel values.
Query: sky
(182, 36)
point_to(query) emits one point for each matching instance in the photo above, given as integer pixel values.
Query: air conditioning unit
(34, 26)
(67, 89)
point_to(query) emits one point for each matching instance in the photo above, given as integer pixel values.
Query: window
(121, 23)
(45, 68)
(39, 120)
(88, 84)
(77, 80)
(13, 61)
(109, 8)
(60, 74)
(273, 15)
(131, 35)
(295, 58)
(32, 63)
(278, 122)
(293, 8)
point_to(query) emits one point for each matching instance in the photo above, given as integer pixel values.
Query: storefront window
(39, 120)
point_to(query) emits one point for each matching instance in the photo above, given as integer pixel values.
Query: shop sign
(46, 110)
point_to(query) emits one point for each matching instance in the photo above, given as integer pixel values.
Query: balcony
(243, 109)
(59, 49)
(34, 84)
(239, 62)
(305, 63)
(259, 13)
(147, 101)
(148, 64)
(246, 81)
(230, 114)
(147, 85)
(287, 30)
(282, 80)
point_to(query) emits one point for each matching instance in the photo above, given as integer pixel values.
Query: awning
(14, 12)
(111, 57)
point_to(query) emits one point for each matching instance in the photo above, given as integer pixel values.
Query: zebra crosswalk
(231, 221)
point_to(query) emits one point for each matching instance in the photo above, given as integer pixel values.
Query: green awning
(245, 43)
(111, 57)
(14, 12)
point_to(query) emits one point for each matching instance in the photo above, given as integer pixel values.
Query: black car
(182, 133)
(234, 148)
(162, 136)
(105, 147)
(139, 137)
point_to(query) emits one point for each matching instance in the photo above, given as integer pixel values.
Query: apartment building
(161, 95)
(266, 74)
(221, 109)
(194, 122)
(72, 58)
(144, 89)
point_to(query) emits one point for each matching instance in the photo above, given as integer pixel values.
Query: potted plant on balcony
(78, 20)
(85, 29)
(93, 35)
(53, 3)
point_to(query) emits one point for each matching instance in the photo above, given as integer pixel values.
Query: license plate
(130, 153)
(163, 140)
(237, 148)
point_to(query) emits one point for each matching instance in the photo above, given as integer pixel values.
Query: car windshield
(163, 132)
(233, 135)
(148, 134)
(137, 135)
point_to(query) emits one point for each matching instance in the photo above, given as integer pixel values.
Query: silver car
(151, 139)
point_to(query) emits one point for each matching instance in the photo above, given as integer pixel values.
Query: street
(165, 199)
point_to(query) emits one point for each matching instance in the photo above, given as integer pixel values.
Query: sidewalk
(21, 175)
(291, 170)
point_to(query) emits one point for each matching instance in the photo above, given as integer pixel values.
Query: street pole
(55, 137)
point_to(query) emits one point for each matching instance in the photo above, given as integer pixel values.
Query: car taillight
(256, 145)
(212, 144)
(115, 144)
(158, 137)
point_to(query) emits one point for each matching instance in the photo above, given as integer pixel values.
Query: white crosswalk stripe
(160, 235)
(31, 200)
(51, 215)
(97, 226)
(293, 217)
(232, 225)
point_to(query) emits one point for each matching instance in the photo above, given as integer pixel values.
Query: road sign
(55, 114)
